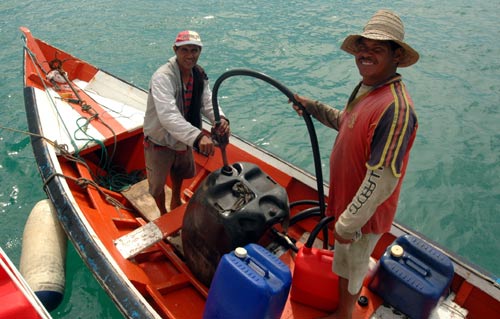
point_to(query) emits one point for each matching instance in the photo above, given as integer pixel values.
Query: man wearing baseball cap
(179, 94)
(376, 130)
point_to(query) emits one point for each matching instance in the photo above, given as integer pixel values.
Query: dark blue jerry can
(249, 283)
(412, 276)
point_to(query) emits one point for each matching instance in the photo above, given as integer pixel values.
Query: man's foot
(175, 203)
(160, 203)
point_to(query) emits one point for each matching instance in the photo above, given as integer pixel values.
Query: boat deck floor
(138, 195)
(145, 205)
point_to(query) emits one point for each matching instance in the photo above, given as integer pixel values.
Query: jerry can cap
(397, 251)
(240, 252)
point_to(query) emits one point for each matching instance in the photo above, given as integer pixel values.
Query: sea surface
(451, 192)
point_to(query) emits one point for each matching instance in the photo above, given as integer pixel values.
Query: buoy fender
(43, 254)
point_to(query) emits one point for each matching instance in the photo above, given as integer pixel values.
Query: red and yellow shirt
(375, 129)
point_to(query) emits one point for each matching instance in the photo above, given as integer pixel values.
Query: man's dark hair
(394, 46)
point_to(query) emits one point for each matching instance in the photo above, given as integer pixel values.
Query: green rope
(108, 178)
(105, 159)
(115, 178)
(118, 180)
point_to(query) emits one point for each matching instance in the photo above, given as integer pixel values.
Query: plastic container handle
(255, 265)
(417, 265)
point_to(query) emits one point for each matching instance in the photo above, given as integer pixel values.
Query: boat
(86, 133)
(18, 299)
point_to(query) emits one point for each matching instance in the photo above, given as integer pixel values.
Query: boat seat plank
(164, 227)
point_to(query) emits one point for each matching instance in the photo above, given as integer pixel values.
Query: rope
(119, 181)
(85, 107)
(82, 122)
(112, 180)
(62, 147)
(46, 89)
(244, 194)
(84, 183)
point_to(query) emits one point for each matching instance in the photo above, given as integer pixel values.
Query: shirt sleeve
(162, 90)
(377, 186)
(391, 138)
(326, 114)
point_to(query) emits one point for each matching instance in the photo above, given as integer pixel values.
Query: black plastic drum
(228, 210)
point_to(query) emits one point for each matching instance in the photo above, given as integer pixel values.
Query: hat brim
(410, 56)
(181, 43)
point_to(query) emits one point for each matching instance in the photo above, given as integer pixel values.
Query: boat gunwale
(103, 266)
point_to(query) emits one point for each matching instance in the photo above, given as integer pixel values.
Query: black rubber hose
(314, 233)
(306, 116)
(304, 202)
(305, 214)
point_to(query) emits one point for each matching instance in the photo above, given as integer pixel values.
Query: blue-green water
(451, 192)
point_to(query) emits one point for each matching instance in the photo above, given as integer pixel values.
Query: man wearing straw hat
(376, 130)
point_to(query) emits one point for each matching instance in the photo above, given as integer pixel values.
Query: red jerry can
(314, 283)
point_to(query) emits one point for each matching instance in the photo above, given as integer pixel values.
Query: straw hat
(384, 25)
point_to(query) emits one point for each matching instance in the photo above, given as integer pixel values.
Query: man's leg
(183, 168)
(346, 302)
(158, 163)
(175, 200)
(351, 261)
(160, 202)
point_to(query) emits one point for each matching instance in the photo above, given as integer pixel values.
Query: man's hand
(223, 128)
(206, 146)
(220, 133)
(341, 239)
(302, 100)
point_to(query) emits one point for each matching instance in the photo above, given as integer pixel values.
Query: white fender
(43, 254)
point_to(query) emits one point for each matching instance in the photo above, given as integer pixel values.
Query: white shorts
(351, 261)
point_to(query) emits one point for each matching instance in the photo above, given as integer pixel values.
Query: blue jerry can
(250, 282)
(412, 276)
